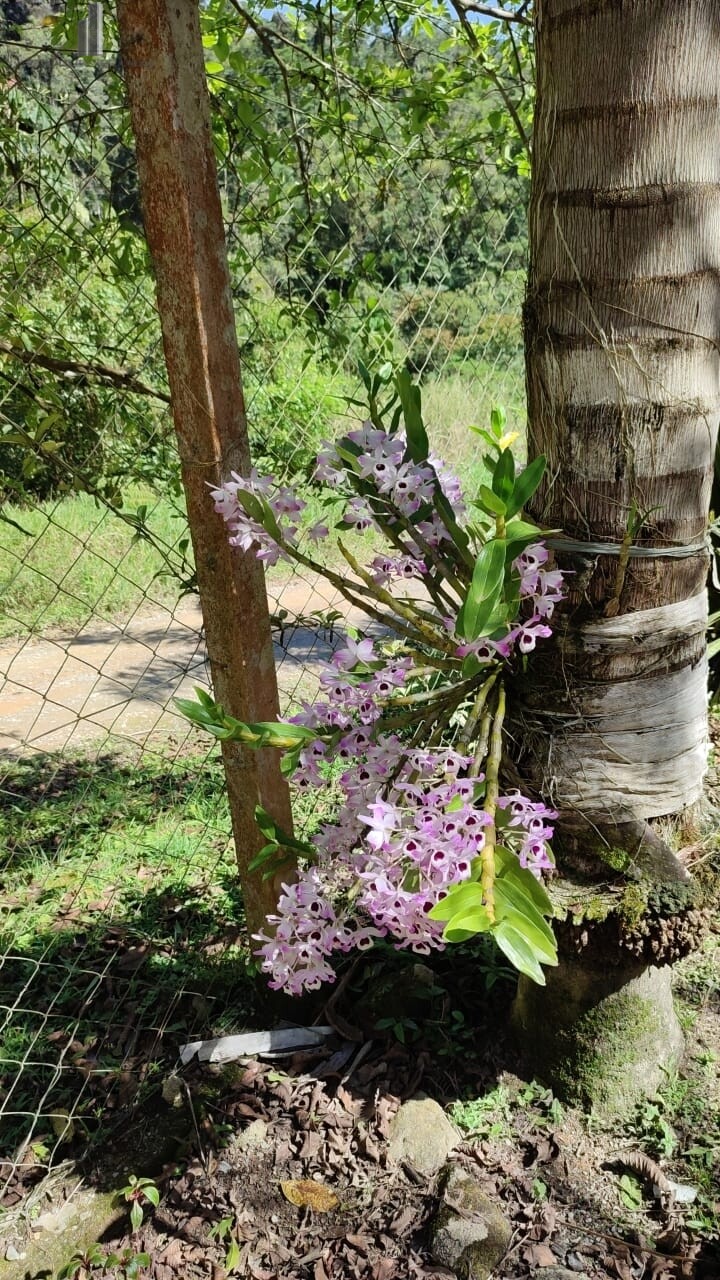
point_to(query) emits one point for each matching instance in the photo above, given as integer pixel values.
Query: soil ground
(570, 1188)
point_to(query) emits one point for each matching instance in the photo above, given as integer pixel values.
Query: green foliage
(280, 849)
(223, 1231)
(631, 1192)
(494, 1115)
(486, 1117)
(292, 396)
(374, 181)
(519, 928)
(651, 1127)
(445, 329)
(127, 1265)
(491, 601)
(138, 1193)
(485, 590)
(351, 216)
(280, 735)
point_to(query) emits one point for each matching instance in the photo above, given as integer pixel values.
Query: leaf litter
(316, 1196)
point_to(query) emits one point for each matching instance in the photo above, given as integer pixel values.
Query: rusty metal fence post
(163, 66)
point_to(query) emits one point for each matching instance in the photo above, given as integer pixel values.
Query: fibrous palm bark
(623, 370)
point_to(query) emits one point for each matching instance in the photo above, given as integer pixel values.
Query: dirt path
(120, 679)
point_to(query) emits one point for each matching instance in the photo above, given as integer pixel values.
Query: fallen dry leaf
(307, 1194)
(540, 1255)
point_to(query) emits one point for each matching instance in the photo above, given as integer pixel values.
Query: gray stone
(253, 1136)
(173, 1088)
(56, 1220)
(422, 1135)
(556, 1273)
(469, 1235)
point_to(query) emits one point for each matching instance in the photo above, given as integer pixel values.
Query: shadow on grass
(94, 1012)
(121, 937)
(47, 802)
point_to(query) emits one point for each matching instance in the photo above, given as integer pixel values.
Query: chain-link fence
(363, 223)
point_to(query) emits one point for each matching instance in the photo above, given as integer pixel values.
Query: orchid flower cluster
(406, 732)
(410, 823)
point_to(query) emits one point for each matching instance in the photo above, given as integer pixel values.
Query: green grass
(120, 929)
(453, 401)
(682, 1125)
(76, 560)
(77, 832)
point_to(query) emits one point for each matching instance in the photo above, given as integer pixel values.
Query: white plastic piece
(255, 1044)
(90, 32)
(683, 1193)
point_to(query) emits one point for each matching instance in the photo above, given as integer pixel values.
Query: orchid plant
(424, 847)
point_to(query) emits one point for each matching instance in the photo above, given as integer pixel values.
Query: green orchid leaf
(417, 439)
(488, 459)
(251, 504)
(519, 951)
(459, 898)
(349, 452)
(490, 502)
(466, 924)
(510, 871)
(503, 478)
(458, 535)
(264, 855)
(498, 421)
(534, 929)
(259, 509)
(519, 534)
(525, 485)
(278, 734)
(272, 831)
(484, 591)
(472, 665)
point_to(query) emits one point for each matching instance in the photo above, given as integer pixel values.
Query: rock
(172, 1090)
(56, 1220)
(576, 1262)
(469, 1235)
(556, 1273)
(422, 1135)
(13, 1255)
(253, 1136)
(682, 1192)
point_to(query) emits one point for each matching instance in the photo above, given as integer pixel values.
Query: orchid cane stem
(478, 707)
(423, 622)
(492, 787)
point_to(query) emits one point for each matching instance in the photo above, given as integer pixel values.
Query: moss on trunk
(600, 1037)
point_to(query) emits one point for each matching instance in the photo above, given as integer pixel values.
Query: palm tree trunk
(623, 374)
(623, 366)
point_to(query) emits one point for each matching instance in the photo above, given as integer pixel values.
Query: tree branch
(263, 35)
(125, 379)
(487, 11)
(270, 33)
(461, 10)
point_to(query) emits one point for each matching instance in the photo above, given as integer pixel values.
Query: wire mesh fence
(351, 235)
